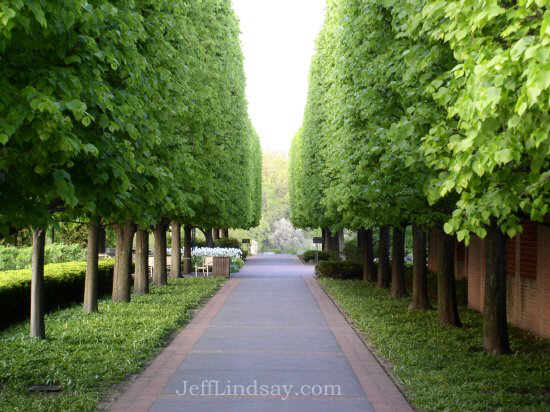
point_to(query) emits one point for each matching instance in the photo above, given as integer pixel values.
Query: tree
(420, 299)
(495, 157)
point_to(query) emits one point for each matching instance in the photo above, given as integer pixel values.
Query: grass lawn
(445, 368)
(86, 354)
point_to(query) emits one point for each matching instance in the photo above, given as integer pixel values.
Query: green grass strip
(86, 354)
(445, 368)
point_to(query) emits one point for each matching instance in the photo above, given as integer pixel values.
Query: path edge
(360, 355)
(139, 395)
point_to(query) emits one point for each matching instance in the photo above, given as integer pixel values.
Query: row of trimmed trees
(433, 114)
(122, 113)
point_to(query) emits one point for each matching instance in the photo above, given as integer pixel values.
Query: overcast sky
(278, 41)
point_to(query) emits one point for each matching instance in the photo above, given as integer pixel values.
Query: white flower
(216, 251)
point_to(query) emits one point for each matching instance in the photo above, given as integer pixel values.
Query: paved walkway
(270, 340)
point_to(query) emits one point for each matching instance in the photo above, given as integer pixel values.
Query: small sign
(317, 240)
(246, 241)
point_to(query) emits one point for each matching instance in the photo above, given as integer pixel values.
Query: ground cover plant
(87, 353)
(445, 368)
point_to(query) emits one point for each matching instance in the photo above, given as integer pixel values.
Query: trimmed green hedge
(13, 258)
(309, 255)
(63, 286)
(228, 242)
(338, 269)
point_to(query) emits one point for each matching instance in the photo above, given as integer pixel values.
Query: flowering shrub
(216, 251)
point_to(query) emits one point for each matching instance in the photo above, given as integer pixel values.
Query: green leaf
(448, 228)
(517, 49)
(504, 156)
(90, 149)
(38, 13)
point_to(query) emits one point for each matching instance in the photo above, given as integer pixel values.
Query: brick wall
(528, 278)
(476, 273)
(543, 280)
(461, 261)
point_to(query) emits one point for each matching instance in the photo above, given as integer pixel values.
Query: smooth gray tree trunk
(91, 283)
(37, 284)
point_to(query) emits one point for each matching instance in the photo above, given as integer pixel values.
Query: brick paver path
(270, 340)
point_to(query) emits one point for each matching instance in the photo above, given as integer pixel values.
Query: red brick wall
(460, 260)
(511, 257)
(528, 280)
(543, 280)
(528, 251)
(476, 273)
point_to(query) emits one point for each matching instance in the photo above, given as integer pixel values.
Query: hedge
(230, 242)
(337, 269)
(309, 255)
(13, 258)
(63, 286)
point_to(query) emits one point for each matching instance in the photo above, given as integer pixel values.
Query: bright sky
(278, 39)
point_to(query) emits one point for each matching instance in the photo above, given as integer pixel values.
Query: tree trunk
(132, 233)
(420, 300)
(369, 269)
(341, 244)
(160, 275)
(225, 233)
(208, 237)
(384, 268)
(361, 235)
(141, 280)
(37, 284)
(102, 239)
(333, 242)
(215, 234)
(398, 288)
(91, 285)
(446, 289)
(121, 279)
(187, 250)
(176, 250)
(325, 237)
(495, 326)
